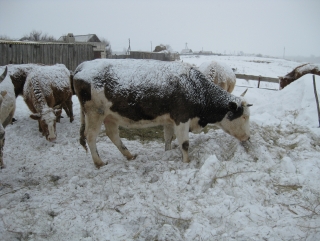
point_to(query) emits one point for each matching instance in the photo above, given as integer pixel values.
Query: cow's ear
(3, 93)
(232, 106)
(58, 112)
(36, 116)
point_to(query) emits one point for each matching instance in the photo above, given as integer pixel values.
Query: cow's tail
(71, 82)
(83, 141)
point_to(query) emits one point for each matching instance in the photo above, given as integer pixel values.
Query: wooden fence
(148, 55)
(69, 54)
(258, 78)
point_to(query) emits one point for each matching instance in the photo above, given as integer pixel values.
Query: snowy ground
(265, 189)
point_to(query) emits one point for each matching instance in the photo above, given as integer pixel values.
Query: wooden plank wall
(71, 55)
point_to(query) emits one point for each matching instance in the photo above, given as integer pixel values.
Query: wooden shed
(99, 48)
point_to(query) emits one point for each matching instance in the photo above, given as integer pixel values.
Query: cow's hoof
(132, 157)
(98, 165)
(186, 161)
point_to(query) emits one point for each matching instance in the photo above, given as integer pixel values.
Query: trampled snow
(263, 189)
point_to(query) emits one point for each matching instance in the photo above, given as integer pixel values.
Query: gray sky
(251, 26)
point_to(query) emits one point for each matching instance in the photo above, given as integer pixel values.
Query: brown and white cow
(219, 73)
(144, 93)
(44, 89)
(7, 108)
(20, 72)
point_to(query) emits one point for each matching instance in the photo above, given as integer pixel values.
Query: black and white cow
(7, 108)
(143, 93)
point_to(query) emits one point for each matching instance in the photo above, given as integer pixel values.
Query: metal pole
(316, 95)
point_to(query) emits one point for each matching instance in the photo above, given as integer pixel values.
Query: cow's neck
(217, 105)
(39, 100)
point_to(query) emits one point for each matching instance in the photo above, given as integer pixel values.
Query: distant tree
(160, 48)
(108, 46)
(163, 47)
(37, 36)
(5, 37)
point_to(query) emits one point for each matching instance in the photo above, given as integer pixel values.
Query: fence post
(259, 81)
(316, 95)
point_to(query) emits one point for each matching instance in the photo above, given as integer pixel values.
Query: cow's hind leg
(92, 128)
(112, 131)
(67, 106)
(1, 152)
(168, 131)
(2, 136)
(182, 133)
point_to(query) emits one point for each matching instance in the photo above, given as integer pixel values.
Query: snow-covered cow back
(7, 108)
(219, 73)
(142, 93)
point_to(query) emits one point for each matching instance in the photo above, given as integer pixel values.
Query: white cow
(7, 108)
(219, 73)
(143, 93)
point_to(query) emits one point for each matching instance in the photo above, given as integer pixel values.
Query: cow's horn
(244, 92)
(4, 74)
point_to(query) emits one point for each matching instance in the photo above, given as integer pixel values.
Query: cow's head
(236, 121)
(47, 122)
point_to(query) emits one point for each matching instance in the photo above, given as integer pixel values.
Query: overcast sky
(253, 26)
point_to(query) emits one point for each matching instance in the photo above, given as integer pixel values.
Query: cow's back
(143, 89)
(219, 73)
(53, 82)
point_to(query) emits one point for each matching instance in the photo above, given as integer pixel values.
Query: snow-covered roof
(83, 38)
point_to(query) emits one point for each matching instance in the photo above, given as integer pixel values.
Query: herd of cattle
(128, 93)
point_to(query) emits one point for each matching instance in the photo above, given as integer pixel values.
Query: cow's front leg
(168, 131)
(182, 133)
(40, 129)
(93, 126)
(112, 131)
